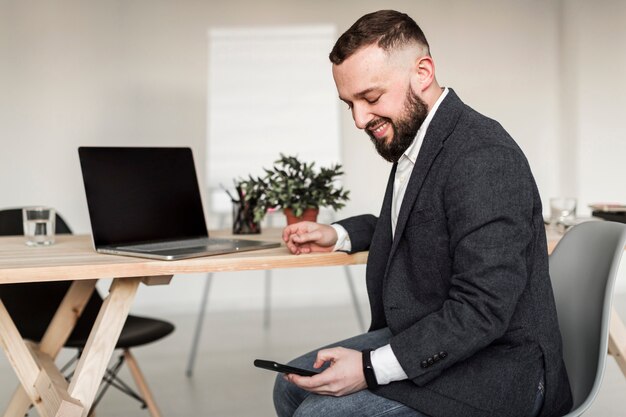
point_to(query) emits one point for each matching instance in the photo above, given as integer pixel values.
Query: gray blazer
(464, 285)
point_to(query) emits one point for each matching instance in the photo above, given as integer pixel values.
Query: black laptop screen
(141, 194)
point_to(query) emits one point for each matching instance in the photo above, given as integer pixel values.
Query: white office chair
(583, 268)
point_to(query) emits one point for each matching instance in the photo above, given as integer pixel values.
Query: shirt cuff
(343, 240)
(386, 366)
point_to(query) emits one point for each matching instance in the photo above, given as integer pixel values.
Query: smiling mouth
(380, 130)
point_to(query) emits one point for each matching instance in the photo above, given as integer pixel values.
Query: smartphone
(285, 369)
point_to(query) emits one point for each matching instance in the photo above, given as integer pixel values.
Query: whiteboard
(270, 90)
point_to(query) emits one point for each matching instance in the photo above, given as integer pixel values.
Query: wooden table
(73, 258)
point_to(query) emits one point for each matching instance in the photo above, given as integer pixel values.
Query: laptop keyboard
(160, 246)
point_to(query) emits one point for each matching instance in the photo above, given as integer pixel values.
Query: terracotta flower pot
(309, 214)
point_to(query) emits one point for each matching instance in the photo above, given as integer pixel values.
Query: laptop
(146, 202)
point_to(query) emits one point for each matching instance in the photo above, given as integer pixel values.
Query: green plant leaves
(294, 184)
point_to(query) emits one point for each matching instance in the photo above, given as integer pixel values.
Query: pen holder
(243, 219)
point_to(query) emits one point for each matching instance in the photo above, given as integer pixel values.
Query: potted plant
(296, 187)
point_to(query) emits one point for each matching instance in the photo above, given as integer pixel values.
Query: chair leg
(617, 340)
(268, 300)
(200, 321)
(142, 385)
(107, 381)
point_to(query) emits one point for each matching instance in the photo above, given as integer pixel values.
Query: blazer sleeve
(488, 199)
(360, 229)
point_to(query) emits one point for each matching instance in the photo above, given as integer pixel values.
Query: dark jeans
(289, 400)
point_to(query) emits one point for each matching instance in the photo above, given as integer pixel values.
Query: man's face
(376, 87)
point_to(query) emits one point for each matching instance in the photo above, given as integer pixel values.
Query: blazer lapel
(381, 240)
(439, 129)
(378, 257)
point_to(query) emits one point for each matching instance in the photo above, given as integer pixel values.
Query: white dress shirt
(384, 361)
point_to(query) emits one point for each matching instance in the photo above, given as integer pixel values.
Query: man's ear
(423, 74)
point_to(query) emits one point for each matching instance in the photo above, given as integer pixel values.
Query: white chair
(583, 268)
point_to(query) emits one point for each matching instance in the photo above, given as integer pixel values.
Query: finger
(298, 248)
(305, 248)
(323, 383)
(313, 247)
(315, 382)
(294, 245)
(293, 248)
(294, 229)
(326, 355)
(289, 230)
(306, 237)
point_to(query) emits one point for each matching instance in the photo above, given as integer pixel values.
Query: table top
(72, 257)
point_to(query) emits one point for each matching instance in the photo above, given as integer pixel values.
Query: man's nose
(361, 116)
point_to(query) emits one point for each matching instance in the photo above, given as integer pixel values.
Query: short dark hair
(388, 28)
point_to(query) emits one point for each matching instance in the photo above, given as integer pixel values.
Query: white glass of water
(39, 225)
(562, 212)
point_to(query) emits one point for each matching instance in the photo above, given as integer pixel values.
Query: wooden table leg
(102, 340)
(19, 404)
(19, 356)
(37, 374)
(66, 317)
(617, 340)
(55, 337)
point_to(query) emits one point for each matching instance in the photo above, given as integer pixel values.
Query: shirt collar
(414, 148)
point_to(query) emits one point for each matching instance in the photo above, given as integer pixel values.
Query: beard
(404, 128)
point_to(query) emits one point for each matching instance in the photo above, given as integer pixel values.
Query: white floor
(226, 384)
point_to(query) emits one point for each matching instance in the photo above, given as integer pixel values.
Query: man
(463, 315)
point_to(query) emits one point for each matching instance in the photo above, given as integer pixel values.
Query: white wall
(593, 136)
(134, 73)
(599, 105)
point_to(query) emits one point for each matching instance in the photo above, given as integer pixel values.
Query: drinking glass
(562, 212)
(39, 224)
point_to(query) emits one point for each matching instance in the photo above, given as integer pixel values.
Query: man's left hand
(343, 377)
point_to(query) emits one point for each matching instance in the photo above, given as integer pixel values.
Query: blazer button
(436, 357)
(443, 354)
(430, 361)
(424, 364)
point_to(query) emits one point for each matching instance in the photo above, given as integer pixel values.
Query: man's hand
(343, 377)
(307, 237)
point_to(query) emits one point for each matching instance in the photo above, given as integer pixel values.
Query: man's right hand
(307, 237)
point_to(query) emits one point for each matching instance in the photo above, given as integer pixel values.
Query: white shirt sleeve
(386, 366)
(343, 240)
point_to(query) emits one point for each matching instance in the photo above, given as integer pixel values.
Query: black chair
(33, 305)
